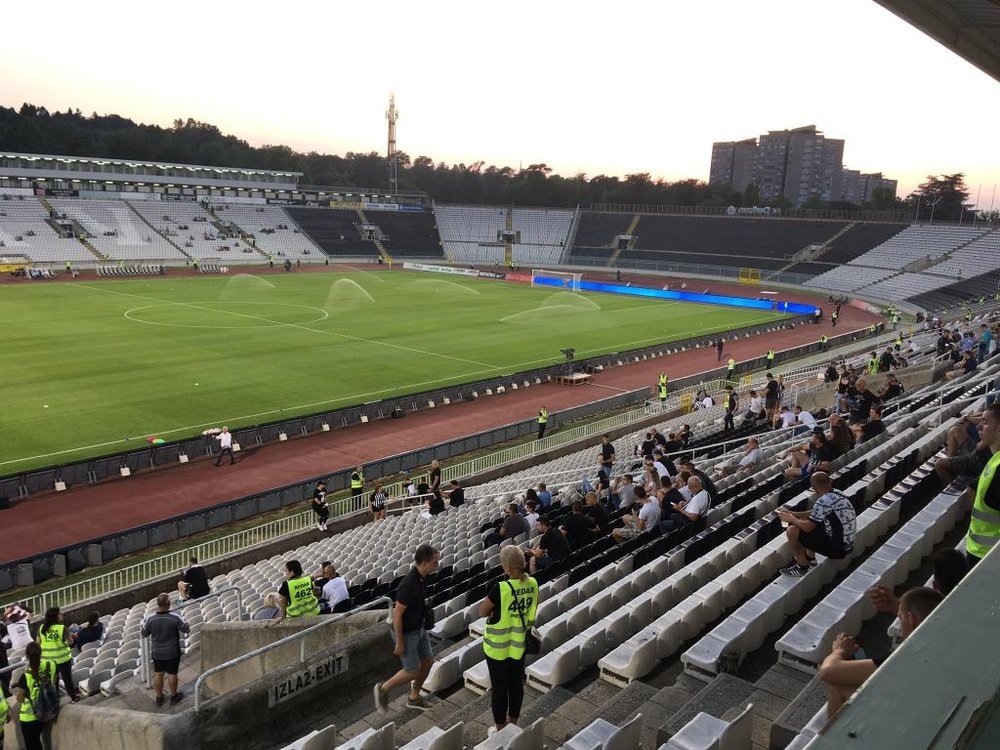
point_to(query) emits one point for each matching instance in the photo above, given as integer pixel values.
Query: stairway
(378, 243)
(94, 251)
(823, 248)
(631, 233)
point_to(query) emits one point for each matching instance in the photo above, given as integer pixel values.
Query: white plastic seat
(372, 739)
(602, 735)
(513, 737)
(705, 732)
(436, 738)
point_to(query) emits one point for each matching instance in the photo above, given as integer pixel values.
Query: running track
(53, 521)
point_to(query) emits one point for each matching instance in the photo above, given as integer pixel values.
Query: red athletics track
(52, 521)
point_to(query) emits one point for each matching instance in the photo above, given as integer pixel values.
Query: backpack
(45, 705)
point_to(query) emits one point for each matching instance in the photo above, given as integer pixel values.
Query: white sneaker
(381, 699)
(319, 526)
(491, 731)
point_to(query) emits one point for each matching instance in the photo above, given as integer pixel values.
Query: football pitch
(96, 367)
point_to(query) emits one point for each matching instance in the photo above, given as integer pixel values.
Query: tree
(942, 198)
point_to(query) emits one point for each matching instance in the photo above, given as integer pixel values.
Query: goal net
(557, 279)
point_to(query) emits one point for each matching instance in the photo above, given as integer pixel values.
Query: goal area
(557, 279)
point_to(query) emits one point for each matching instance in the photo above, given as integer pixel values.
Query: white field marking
(294, 325)
(323, 315)
(352, 269)
(224, 420)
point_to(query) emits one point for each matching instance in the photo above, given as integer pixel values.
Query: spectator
(771, 397)
(298, 596)
(874, 426)
(271, 608)
(786, 418)
(411, 619)
(803, 417)
(841, 436)
(684, 435)
(597, 514)
(164, 630)
(892, 388)
(756, 409)
(669, 444)
(984, 527)
(828, 529)
(56, 642)
(319, 506)
(376, 503)
(706, 481)
(544, 496)
(435, 504)
(648, 446)
(968, 364)
(863, 401)
(334, 591)
(646, 518)
(531, 516)
(623, 492)
(815, 455)
(92, 632)
(577, 527)
(606, 457)
(831, 375)
(663, 466)
(456, 495)
(435, 475)
(748, 462)
(688, 511)
(512, 526)
(550, 548)
(843, 673)
(509, 609)
(985, 339)
(886, 361)
(967, 454)
(26, 692)
(194, 584)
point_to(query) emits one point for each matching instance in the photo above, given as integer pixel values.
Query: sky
(593, 87)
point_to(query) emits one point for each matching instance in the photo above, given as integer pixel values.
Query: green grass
(94, 367)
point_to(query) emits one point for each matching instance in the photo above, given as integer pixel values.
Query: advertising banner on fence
(491, 275)
(381, 206)
(440, 269)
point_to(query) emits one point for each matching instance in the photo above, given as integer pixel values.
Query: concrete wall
(245, 717)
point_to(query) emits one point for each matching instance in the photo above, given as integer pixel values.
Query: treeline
(33, 129)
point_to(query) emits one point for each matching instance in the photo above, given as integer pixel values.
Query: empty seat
(602, 735)
(705, 732)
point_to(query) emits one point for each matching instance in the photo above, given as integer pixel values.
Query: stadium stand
(189, 226)
(335, 231)
(855, 240)
(543, 234)
(596, 232)
(958, 292)
(24, 230)
(469, 234)
(116, 231)
(761, 243)
(273, 231)
(410, 234)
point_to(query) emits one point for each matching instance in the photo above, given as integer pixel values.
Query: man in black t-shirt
(320, 506)
(596, 512)
(607, 456)
(771, 397)
(410, 624)
(435, 475)
(550, 547)
(873, 427)
(576, 526)
(456, 495)
(194, 584)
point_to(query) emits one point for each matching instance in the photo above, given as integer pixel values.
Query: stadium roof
(969, 28)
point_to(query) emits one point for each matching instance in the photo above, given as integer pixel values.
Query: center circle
(236, 311)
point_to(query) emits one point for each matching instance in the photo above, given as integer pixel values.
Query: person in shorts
(828, 529)
(411, 619)
(164, 629)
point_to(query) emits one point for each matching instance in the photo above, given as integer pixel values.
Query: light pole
(933, 206)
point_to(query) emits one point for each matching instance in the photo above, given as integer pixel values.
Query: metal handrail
(281, 642)
(146, 676)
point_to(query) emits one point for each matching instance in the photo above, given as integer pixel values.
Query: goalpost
(556, 279)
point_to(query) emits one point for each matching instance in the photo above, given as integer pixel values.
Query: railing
(147, 676)
(300, 636)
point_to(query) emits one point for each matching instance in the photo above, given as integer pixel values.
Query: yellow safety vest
(3, 712)
(872, 366)
(54, 648)
(543, 416)
(984, 528)
(732, 363)
(504, 639)
(727, 400)
(27, 712)
(663, 379)
(770, 355)
(823, 339)
(302, 600)
(662, 391)
(357, 480)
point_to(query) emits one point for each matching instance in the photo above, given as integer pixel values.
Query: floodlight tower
(392, 115)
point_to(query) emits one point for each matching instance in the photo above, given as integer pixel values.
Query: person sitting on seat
(843, 673)
(513, 525)
(644, 519)
(828, 529)
(747, 463)
(688, 511)
(815, 455)
(549, 548)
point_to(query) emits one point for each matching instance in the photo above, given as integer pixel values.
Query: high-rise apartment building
(801, 164)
